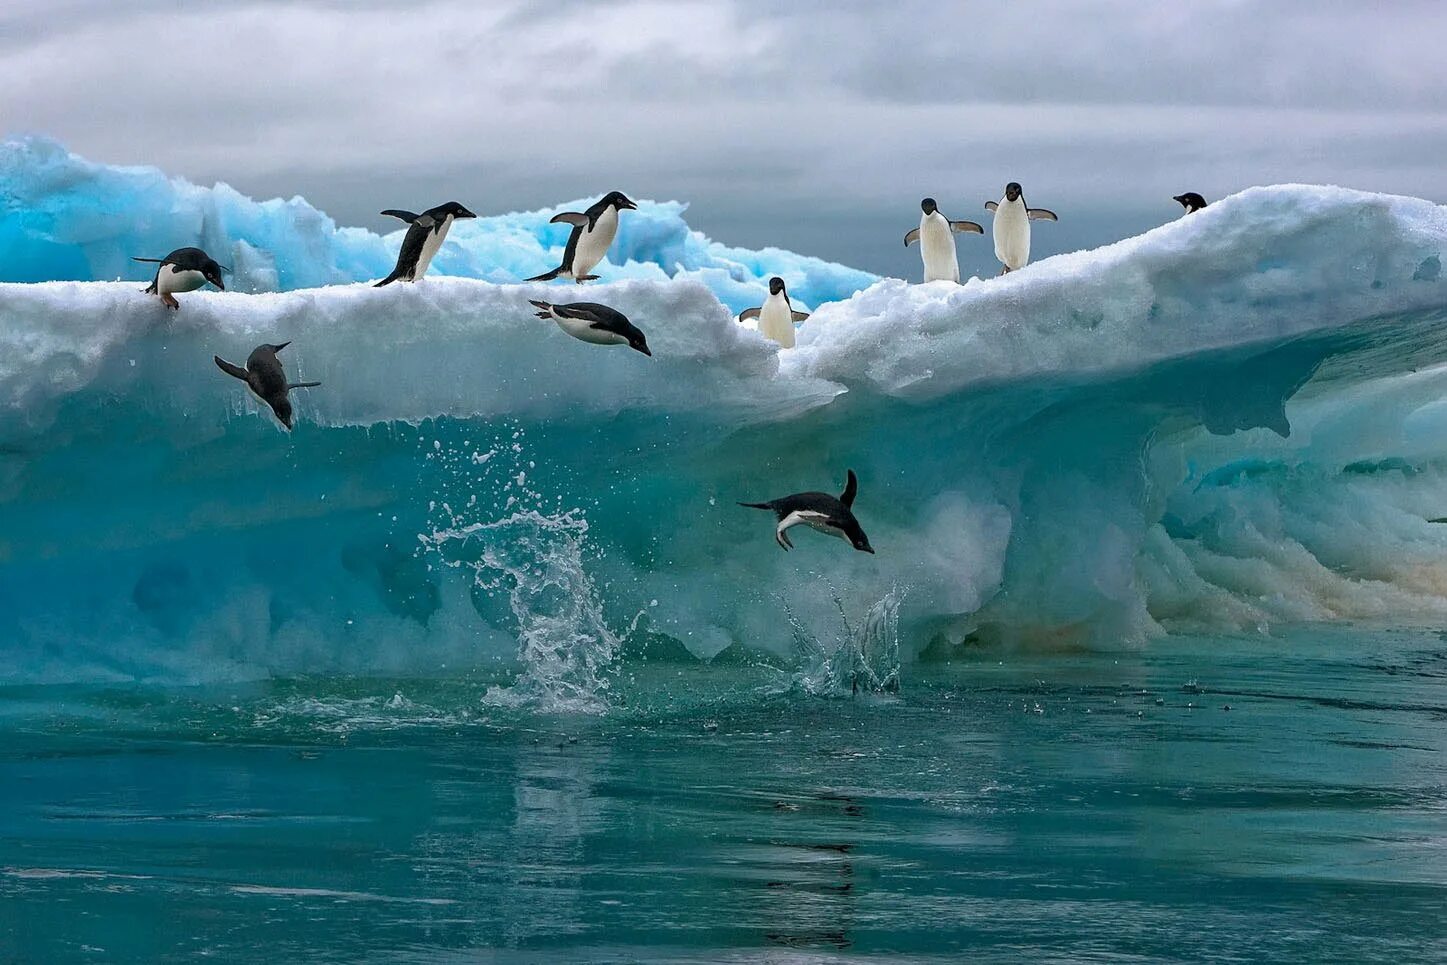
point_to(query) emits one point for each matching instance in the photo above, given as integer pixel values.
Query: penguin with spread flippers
(936, 237)
(183, 270)
(828, 514)
(591, 322)
(1191, 201)
(1012, 226)
(425, 234)
(592, 235)
(776, 316)
(266, 379)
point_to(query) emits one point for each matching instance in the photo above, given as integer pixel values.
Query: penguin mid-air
(936, 237)
(425, 234)
(592, 236)
(821, 511)
(1012, 226)
(266, 379)
(591, 322)
(776, 316)
(1191, 201)
(183, 270)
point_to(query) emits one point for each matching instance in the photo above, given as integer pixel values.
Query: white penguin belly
(594, 244)
(169, 281)
(937, 247)
(1012, 234)
(585, 332)
(776, 321)
(430, 247)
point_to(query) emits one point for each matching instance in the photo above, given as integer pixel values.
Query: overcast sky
(814, 126)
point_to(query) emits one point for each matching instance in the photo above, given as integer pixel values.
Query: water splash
(862, 658)
(535, 564)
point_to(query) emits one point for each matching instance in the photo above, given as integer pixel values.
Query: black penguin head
(928, 206)
(1191, 201)
(638, 343)
(856, 536)
(776, 285)
(456, 210)
(1013, 191)
(212, 273)
(282, 408)
(618, 199)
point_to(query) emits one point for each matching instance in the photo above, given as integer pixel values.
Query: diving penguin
(1012, 226)
(776, 316)
(936, 237)
(1191, 201)
(592, 235)
(591, 322)
(183, 270)
(266, 379)
(425, 234)
(821, 511)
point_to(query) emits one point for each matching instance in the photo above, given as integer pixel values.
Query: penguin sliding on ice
(1191, 201)
(591, 322)
(266, 379)
(592, 236)
(1012, 227)
(936, 237)
(776, 316)
(425, 234)
(821, 511)
(183, 270)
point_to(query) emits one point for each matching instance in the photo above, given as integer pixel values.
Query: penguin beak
(644, 350)
(464, 213)
(217, 282)
(629, 204)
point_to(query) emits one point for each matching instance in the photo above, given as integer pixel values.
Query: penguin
(425, 234)
(183, 270)
(1191, 201)
(266, 379)
(1012, 226)
(776, 316)
(936, 237)
(592, 235)
(591, 322)
(821, 511)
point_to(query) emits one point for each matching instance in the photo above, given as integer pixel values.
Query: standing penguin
(425, 234)
(592, 235)
(1191, 201)
(183, 270)
(821, 511)
(776, 316)
(266, 379)
(936, 237)
(1012, 226)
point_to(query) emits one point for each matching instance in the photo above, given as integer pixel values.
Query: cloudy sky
(814, 126)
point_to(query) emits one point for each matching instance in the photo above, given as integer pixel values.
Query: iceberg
(1230, 421)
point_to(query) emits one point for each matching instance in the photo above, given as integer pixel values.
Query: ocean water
(483, 661)
(1095, 805)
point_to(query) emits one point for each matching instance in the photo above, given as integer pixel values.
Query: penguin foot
(169, 301)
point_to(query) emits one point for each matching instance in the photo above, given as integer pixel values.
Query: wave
(1230, 421)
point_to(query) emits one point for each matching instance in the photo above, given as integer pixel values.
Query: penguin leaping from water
(183, 270)
(266, 379)
(591, 322)
(936, 237)
(1012, 227)
(592, 236)
(425, 234)
(821, 511)
(1191, 201)
(776, 316)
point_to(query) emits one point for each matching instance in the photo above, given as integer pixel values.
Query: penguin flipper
(768, 506)
(154, 261)
(851, 489)
(406, 216)
(302, 385)
(991, 206)
(1042, 214)
(235, 371)
(911, 237)
(799, 316)
(967, 227)
(749, 313)
(547, 275)
(575, 218)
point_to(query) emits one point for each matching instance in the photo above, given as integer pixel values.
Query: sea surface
(1236, 798)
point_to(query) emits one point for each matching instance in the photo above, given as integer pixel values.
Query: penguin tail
(388, 280)
(547, 276)
(151, 289)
